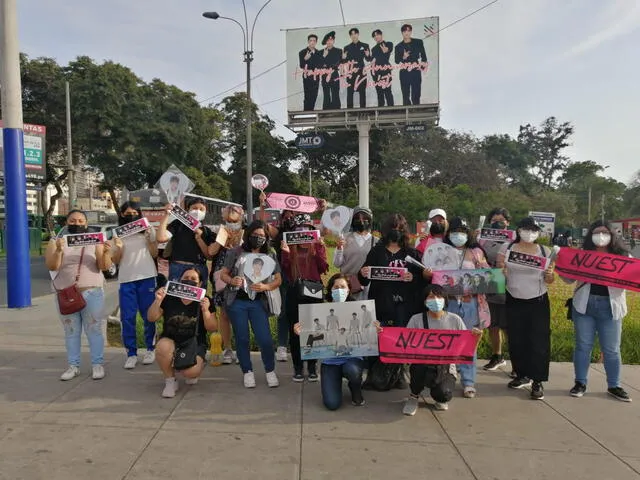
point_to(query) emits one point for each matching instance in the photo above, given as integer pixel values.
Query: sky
(515, 62)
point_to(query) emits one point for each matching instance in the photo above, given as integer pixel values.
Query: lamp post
(248, 58)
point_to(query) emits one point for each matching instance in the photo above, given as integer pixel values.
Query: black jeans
(426, 376)
(529, 330)
(331, 94)
(411, 86)
(384, 95)
(291, 306)
(361, 89)
(311, 87)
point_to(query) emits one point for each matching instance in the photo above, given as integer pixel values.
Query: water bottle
(216, 349)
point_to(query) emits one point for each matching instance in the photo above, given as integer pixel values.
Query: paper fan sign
(175, 184)
(441, 256)
(337, 219)
(258, 267)
(260, 182)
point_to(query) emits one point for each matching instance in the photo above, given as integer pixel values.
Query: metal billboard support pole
(363, 163)
(71, 176)
(15, 181)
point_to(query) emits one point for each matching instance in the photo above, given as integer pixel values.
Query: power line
(281, 98)
(342, 12)
(466, 16)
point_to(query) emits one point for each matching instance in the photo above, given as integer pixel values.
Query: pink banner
(416, 345)
(297, 203)
(601, 268)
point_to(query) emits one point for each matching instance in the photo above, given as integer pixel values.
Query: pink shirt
(90, 276)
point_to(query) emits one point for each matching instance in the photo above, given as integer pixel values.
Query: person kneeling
(437, 378)
(184, 321)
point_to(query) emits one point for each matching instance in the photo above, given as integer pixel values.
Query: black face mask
(256, 241)
(190, 282)
(75, 229)
(394, 236)
(499, 225)
(360, 225)
(123, 220)
(437, 229)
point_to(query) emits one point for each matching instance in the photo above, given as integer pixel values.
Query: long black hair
(253, 226)
(126, 206)
(395, 221)
(471, 241)
(616, 246)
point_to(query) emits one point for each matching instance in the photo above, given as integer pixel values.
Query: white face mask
(458, 238)
(528, 236)
(197, 214)
(601, 239)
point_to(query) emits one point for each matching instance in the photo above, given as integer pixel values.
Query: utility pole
(71, 175)
(15, 180)
(602, 207)
(589, 208)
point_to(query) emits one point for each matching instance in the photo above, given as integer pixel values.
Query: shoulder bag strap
(77, 279)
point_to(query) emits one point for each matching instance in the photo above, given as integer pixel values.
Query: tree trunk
(48, 216)
(114, 200)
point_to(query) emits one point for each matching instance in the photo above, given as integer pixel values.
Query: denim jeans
(137, 297)
(468, 311)
(597, 318)
(241, 313)
(331, 381)
(91, 319)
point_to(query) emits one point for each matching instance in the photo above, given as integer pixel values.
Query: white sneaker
(170, 387)
(441, 406)
(191, 381)
(281, 354)
(70, 373)
(228, 357)
(469, 392)
(131, 363)
(149, 357)
(410, 406)
(272, 380)
(249, 380)
(98, 372)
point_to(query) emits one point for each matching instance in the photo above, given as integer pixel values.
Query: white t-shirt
(524, 282)
(449, 321)
(136, 262)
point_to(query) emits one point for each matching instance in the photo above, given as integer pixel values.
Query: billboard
(546, 220)
(34, 153)
(365, 65)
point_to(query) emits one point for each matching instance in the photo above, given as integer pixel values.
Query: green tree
(213, 185)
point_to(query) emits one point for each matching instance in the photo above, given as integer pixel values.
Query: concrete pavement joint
(593, 367)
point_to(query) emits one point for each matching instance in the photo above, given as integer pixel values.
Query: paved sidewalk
(120, 427)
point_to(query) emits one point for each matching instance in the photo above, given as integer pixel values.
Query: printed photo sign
(258, 267)
(131, 228)
(441, 256)
(337, 219)
(188, 292)
(416, 345)
(85, 239)
(598, 267)
(526, 260)
(259, 182)
(393, 274)
(175, 184)
(470, 282)
(497, 235)
(296, 203)
(338, 330)
(183, 216)
(305, 236)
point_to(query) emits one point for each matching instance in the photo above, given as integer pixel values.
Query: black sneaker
(513, 374)
(313, 374)
(401, 384)
(519, 382)
(495, 362)
(537, 392)
(298, 377)
(620, 394)
(357, 400)
(578, 390)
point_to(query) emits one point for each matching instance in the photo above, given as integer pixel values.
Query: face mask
(528, 236)
(360, 225)
(197, 214)
(601, 239)
(458, 238)
(394, 236)
(499, 225)
(437, 229)
(339, 294)
(233, 226)
(435, 304)
(75, 229)
(129, 218)
(190, 282)
(256, 241)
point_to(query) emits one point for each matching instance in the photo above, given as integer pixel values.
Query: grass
(562, 336)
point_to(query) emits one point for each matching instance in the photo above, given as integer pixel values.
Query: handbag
(70, 299)
(383, 376)
(309, 289)
(185, 354)
(274, 300)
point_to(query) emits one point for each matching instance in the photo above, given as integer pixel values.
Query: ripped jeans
(91, 319)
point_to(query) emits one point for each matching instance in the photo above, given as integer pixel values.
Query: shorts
(498, 315)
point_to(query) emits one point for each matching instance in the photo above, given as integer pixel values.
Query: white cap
(437, 211)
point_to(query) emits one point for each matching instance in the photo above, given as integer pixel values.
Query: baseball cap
(529, 223)
(437, 211)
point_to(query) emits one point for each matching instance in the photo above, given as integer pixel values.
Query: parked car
(108, 231)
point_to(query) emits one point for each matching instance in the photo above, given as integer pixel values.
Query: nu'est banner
(416, 345)
(85, 239)
(131, 228)
(599, 267)
(296, 203)
(188, 292)
(183, 216)
(393, 274)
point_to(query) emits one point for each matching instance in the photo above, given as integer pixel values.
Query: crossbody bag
(185, 354)
(70, 299)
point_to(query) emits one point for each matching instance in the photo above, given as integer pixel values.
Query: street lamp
(248, 58)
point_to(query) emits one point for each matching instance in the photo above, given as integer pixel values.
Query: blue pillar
(16, 220)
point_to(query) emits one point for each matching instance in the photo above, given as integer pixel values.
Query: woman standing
(183, 320)
(351, 251)
(472, 308)
(599, 309)
(246, 302)
(137, 276)
(528, 310)
(82, 266)
(303, 265)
